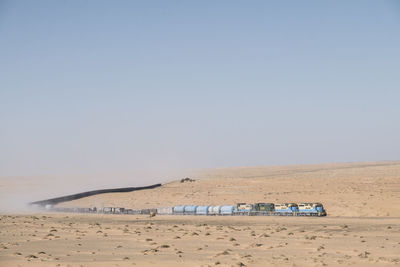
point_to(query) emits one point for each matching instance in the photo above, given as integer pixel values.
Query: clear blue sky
(125, 86)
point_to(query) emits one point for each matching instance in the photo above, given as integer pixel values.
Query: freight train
(241, 209)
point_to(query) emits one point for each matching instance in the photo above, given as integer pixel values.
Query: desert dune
(362, 227)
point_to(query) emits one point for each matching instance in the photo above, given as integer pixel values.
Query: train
(240, 209)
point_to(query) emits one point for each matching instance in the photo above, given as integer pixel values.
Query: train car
(178, 209)
(202, 210)
(148, 211)
(264, 207)
(286, 208)
(119, 210)
(190, 209)
(227, 210)
(129, 211)
(108, 210)
(93, 209)
(312, 209)
(165, 210)
(214, 210)
(135, 211)
(243, 209)
(83, 210)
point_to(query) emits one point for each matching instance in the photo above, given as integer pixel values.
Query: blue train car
(312, 208)
(227, 210)
(178, 209)
(286, 207)
(190, 209)
(202, 210)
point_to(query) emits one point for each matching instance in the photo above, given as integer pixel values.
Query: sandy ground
(362, 227)
(127, 240)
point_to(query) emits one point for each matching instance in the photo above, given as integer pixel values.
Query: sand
(362, 227)
(127, 240)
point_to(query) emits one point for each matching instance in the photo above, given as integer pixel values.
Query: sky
(148, 87)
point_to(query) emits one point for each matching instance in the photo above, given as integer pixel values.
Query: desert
(199, 133)
(362, 227)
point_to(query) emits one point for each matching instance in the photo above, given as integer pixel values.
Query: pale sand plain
(362, 227)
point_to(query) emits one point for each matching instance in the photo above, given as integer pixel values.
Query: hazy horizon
(147, 90)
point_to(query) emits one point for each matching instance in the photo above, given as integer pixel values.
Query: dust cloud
(16, 192)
